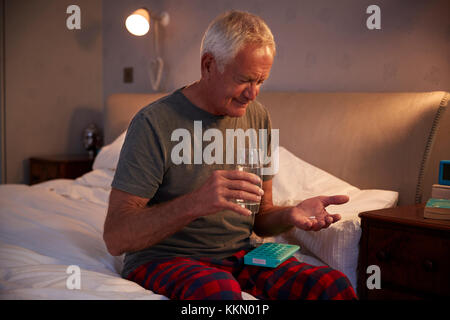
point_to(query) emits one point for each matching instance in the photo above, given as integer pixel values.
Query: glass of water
(249, 160)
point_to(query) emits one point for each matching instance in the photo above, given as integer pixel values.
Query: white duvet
(48, 227)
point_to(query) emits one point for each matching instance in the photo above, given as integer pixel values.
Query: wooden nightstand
(413, 254)
(59, 167)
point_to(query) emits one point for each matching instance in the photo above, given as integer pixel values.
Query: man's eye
(257, 82)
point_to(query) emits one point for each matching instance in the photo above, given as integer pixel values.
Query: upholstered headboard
(390, 141)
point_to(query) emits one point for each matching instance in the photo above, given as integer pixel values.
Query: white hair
(230, 32)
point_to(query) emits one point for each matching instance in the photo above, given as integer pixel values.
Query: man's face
(239, 84)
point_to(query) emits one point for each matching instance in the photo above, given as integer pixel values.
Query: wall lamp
(138, 24)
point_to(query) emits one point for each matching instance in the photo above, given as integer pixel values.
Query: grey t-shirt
(146, 168)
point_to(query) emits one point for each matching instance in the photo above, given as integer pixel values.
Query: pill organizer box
(270, 254)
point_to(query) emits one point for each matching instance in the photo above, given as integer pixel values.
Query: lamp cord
(156, 38)
(157, 64)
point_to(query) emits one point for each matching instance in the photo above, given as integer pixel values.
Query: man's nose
(251, 91)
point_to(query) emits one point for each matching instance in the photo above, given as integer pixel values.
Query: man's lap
(209, 278)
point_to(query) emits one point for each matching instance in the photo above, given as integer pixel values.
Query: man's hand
(222, 186)
(310, 214)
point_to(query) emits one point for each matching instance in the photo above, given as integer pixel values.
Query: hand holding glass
(248, 160)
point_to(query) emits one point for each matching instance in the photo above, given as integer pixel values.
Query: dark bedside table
(413, 254)
(59, 167)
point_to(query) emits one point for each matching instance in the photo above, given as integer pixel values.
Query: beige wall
(323, 45)
(53, 80)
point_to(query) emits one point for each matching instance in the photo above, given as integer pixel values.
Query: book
(440, 191)
(437, 209)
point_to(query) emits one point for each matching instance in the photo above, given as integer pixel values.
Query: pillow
(299, 180)
(338, 245)
(108, 157)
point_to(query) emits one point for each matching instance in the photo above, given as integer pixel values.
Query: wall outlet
(128, 75)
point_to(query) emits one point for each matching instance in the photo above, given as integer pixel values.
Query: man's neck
(196, 94)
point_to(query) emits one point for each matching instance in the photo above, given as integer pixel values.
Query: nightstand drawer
(43, 171)
(58, 167)
(414, 259)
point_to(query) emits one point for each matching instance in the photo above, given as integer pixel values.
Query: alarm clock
(444, 172)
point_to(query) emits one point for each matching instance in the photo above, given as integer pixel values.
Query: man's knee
(334, 285)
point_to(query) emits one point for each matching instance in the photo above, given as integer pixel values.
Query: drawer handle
(428, 265)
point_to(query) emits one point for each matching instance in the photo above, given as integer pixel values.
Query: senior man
(183, 235)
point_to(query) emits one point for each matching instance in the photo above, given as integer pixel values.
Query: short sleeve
(141, 168)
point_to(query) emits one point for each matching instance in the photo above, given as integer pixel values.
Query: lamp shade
(138, 23)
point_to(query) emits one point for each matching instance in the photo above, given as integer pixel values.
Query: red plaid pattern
(187, 278)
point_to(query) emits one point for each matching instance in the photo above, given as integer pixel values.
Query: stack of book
(440, 191)
(438, 207)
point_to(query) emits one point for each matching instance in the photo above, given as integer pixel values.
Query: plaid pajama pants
(187, 278)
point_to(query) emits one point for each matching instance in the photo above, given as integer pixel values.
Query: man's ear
(208, 64)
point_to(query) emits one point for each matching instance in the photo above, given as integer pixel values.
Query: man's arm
(131, 225)
(308, 215)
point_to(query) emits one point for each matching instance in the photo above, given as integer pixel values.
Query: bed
(364, 145)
